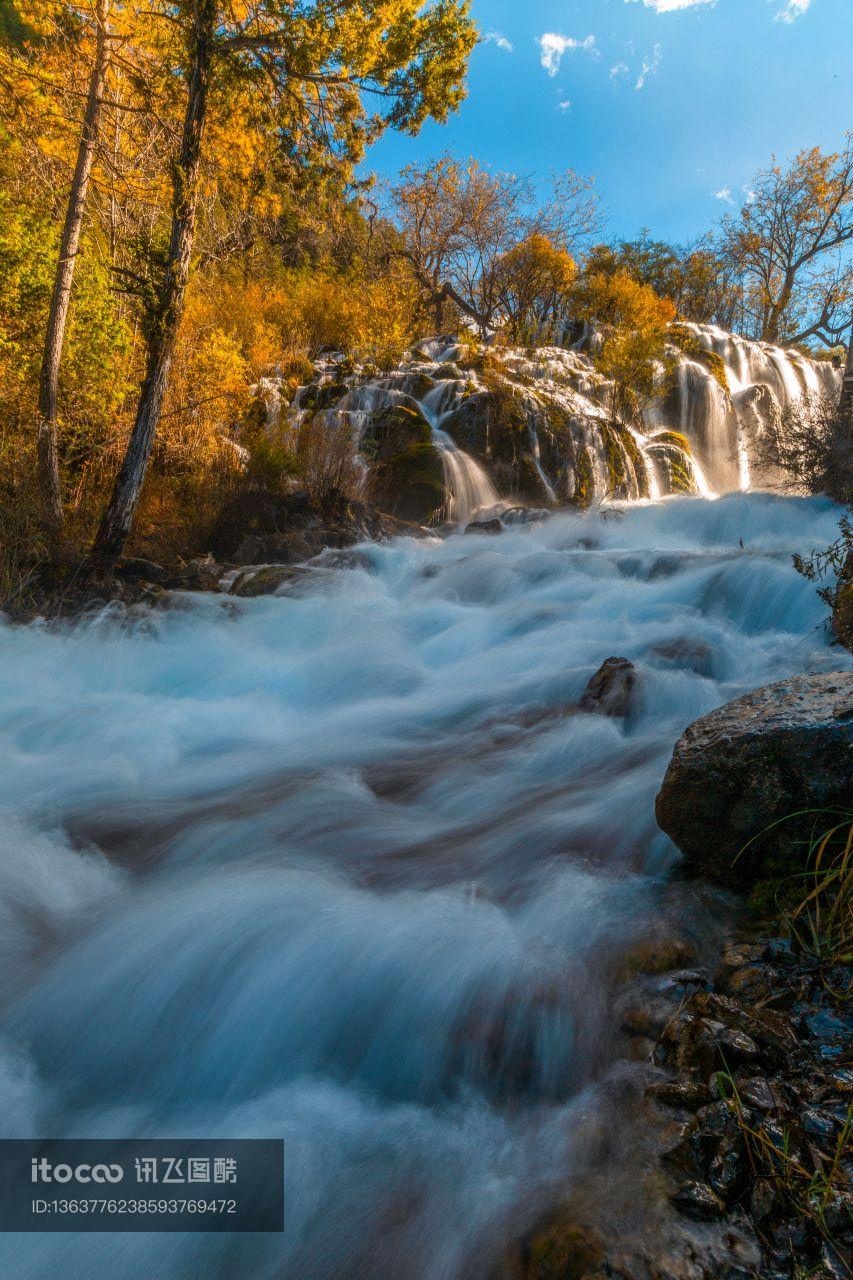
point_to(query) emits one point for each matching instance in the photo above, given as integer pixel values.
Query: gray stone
(763, 758)
(697, 1200)
(485, 526)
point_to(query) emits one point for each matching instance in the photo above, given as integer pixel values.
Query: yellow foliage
(534, 281)
(634, 322)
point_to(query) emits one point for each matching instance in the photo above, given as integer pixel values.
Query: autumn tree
(695, 278)
(533, 284)
(458, 222)
(316, 66)
(633, 323)
(40, 26)
(789, 248)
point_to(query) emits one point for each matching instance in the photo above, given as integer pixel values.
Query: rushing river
(346, 866)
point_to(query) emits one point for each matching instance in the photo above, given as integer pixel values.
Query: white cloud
(749, 195)
(553, 46)
(564, 106)
(650, 66)
(617, 71)
(793, 9)
(670, 6)
(498, 38)
(725, 194)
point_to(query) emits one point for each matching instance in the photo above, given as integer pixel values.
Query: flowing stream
(347, 866)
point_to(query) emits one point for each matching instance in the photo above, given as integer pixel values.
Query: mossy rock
(490, 424)
(584, 477)
(392, 432)
(673, 439)
(618, 480)
(635, 455)
(410, 485)
(419, 385)
(319, 396)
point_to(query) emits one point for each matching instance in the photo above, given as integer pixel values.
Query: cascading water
(699, 435)
(469, 490)
(347, 866)
(761, 380)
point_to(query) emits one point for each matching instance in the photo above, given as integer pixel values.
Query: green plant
(807, 1191)
(816, 901)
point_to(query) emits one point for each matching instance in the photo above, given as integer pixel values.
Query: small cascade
(762, 381)
(469, 489)
(537, 462)
(707, 420)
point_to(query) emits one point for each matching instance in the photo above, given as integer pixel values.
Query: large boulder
(494, 426)
(773, 754)
(407, 475)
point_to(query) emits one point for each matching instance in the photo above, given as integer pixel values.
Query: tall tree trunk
(48, 460)
(166, 315)
(846, 404)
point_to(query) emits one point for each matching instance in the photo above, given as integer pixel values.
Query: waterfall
(537, 462)
(469, 489)
(707, 420)
(767, 378)
(699, 435)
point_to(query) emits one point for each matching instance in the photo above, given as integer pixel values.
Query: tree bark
(846, 402)
(166, 315)
(48, 457)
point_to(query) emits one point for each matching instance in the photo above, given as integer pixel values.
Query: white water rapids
(346, 866)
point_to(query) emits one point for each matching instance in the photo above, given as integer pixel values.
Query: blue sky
(671, 104)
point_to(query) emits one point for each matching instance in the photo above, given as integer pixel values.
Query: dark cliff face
(781, 751)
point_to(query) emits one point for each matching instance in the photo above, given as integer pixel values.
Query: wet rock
(739, 954)
(485, 526)
(659, 955)
(818, 1124)
(763, 1200)
(687, 1095)
(688, 653)
(134, 569)
(832, 1265)
(759, 1093)
(562, 1251)
(266, 581)
(612, 690)
(780, 750)
(252, 550)
(698, 1201)
(727, 1173)
(771, 1030)
(838, 1213)
(645, 1020)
